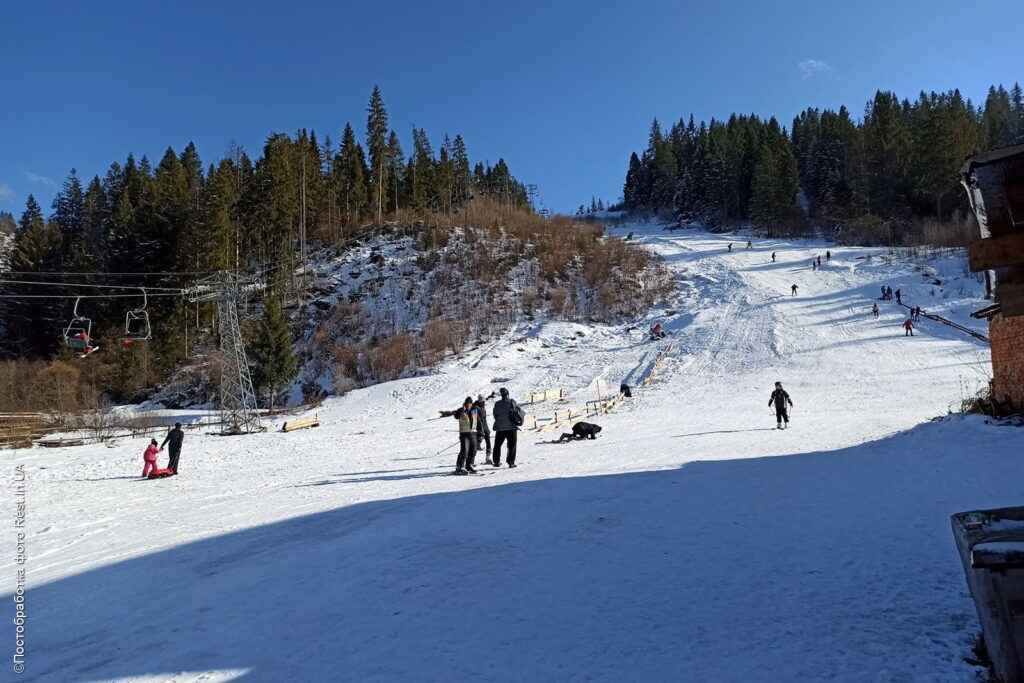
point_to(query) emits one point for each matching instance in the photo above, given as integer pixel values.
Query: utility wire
(81, 296)
(82, 284)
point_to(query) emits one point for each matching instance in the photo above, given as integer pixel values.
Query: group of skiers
(474, 431)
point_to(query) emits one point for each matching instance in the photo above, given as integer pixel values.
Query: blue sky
(563, 90)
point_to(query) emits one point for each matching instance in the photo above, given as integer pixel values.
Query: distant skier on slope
(780, 398)
(730, 246)
(828, 256)
(899, 299)
(819, 260)
(794, 290)
(874, 310)
(908, 328)
(773, 257)
(749, 245)
(814, 264)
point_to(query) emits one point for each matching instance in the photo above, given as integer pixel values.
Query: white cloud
(40, 179)
(812, 67)
(6, 193)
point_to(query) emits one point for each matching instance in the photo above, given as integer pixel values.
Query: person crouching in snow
(150, 458)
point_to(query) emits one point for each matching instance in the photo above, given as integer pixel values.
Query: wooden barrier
(543, 396)
(657, 364)
(304, 423)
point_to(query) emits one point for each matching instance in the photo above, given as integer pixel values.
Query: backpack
(516, 414)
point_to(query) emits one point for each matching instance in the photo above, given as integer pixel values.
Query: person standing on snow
(819, 260)
(874, 310)
(794, 290)
(467, 416)
(749, 245)
(483, 432)
(780, 398)
(730, 246)
(899, 299)
(908, 328)
(175, 436)
(773, 257)
(149, 457)
(814, 265)
(828, 256)
(504, 428)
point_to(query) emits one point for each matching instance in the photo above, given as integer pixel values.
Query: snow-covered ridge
(692, 524)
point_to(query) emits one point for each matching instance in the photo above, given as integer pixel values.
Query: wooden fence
(538, 397)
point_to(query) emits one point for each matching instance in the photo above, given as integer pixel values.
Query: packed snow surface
(691, 541)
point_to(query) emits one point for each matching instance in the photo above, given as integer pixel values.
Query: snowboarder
(828, 256)
(899, 299)
(794, 290)
(908, 328)
(773, 257)
(657, 332)
(504, 428)
(780, 398)
(580, 431)
(149, 458)
(467, 416)
(874, 310)
(483, 431)
(175, 436)
(749, 245)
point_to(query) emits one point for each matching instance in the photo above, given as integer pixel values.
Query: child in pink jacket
(150, 457)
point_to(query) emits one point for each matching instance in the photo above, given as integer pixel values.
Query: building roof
(992, 157)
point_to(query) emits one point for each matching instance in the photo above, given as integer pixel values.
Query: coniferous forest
(184, 217)
(890, 177)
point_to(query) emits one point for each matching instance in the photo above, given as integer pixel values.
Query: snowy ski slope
(691, 541)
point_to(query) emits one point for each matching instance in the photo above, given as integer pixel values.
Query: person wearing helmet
(780, 398)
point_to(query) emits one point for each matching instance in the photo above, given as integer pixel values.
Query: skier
(883, 292)
(794, 290)
(504, 428)
(874, 310)
(730, 246)
(908, 327)
(899, 299)
(888, 293)
(749, 245)
(828, 256)
(819, 260)
(149, 458)
(175, 436)
(467, 416)
(773, 257)
(483, 431)
(580, 431)
(814, 265)
(780, 398)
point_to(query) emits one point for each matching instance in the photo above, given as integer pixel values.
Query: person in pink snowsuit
(150, 457)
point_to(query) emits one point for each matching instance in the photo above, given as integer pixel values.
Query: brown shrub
(388, 359)
(441, 335)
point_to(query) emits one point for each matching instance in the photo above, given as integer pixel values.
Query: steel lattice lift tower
(237, 398)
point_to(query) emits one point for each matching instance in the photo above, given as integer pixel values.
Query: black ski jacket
(481, 426)
(780, 397)
(175, 436)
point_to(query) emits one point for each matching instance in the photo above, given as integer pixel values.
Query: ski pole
(449, 447)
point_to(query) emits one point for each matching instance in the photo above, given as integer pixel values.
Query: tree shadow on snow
(818, 563)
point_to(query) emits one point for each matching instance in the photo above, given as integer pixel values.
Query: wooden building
(995, 186)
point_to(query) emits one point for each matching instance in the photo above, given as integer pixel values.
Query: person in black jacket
(504, 428)
(780, 398)
(483, 431)
(175, 437)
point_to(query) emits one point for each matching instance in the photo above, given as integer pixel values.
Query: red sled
(160, 474)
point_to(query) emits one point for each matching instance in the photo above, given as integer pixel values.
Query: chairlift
(136, 323)
(78, 333)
